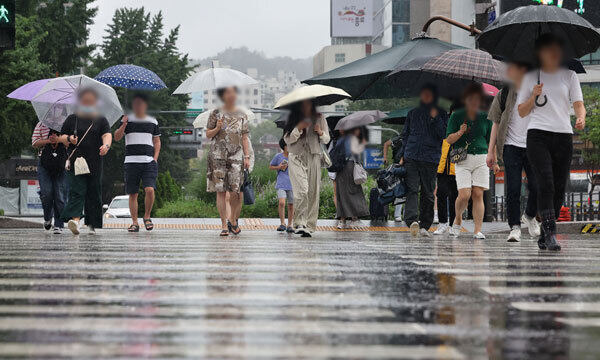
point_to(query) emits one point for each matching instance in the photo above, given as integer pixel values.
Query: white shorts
(473, 171)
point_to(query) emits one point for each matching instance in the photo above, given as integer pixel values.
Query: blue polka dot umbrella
(131, 77)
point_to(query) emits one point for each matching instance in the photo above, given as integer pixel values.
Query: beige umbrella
(202, 119)
(320, 94)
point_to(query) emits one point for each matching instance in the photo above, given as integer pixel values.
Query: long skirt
(351, 202)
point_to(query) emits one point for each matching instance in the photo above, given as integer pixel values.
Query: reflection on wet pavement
(184, 294)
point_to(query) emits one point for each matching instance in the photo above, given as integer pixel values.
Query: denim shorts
(286, 194)
(136, 172)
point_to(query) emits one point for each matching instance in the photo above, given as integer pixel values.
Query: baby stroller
(391, 188)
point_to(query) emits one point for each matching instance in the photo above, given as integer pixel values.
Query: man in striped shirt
(142, 147)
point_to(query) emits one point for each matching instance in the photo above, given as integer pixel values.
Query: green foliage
(66, 49)
(1, 212)
(20, 66)
(167, 189)
(591, 134)
(382, 104)
(187, 209)
(137, 37)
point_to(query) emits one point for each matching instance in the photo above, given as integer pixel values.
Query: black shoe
(542, 242)
(551, 243)
(48, 225)
(281, 228)
(306, 234)
(290, 230)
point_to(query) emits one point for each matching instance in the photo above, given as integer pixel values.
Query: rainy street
(376, 295)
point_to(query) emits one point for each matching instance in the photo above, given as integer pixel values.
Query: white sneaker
(442, 229)
(398, 219)
(57, 231)
(48, 225)
(341, 225)
(91, 230)
(424, 233)
(436, 219)
(455, 230)
(532, 225)
(73, 226)
(515, 234)
(479, 236)
(414, 229)
(357, 224)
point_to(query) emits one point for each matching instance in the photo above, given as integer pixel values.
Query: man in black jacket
(422, 136)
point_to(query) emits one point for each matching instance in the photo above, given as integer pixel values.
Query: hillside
(243, 58)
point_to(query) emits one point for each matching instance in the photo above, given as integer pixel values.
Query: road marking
(242, 351)
(580, 322)
(592, 307)
(540, 290)
(555, 278)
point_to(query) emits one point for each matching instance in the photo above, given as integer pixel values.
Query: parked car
(118, 208)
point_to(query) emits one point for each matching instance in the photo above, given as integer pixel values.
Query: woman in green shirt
(470, 128)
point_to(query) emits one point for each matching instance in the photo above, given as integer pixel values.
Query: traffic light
(7, 24)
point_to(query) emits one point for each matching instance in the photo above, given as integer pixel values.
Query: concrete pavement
(262, 295)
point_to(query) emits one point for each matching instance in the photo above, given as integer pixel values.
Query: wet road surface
(347, 295)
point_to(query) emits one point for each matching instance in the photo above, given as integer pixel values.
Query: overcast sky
(296, 28)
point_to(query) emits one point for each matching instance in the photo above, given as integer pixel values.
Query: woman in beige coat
(305, 132)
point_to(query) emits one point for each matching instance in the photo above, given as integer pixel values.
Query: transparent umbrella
(58, 97)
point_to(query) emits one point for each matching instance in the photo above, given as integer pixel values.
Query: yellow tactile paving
(258, 224)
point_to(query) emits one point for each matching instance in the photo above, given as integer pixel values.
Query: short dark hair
(282, 144)
(548, 39)
(86, 90)
(221, 91)
(141, 96)
(520, 64)
(473, 88)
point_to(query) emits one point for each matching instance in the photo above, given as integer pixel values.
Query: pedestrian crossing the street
(263, 295)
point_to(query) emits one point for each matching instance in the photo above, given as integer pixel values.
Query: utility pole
(483, 10)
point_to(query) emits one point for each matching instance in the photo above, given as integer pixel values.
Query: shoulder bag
(459, 154)
(81, 166)
(359, 173)
(248, 189)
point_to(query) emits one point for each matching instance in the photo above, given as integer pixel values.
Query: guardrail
(583, 207)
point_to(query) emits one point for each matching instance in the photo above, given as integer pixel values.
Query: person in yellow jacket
(446, 191)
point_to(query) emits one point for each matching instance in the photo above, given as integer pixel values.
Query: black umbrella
(365, 78)
(514, 33)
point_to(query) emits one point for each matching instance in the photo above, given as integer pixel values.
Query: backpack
(53, 159)
(377, 210)
(503, 97)
(338, 156)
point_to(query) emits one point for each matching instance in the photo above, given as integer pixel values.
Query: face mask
(87, 110)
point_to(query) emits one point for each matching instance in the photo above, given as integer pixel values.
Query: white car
(118, 208)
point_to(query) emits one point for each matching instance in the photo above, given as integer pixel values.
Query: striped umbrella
(131, 77)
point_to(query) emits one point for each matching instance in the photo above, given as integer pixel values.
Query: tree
(137, 37)
(67, 23)
(19, 67)
(382, 104)
(591, 134)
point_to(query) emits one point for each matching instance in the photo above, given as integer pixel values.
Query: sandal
(235, 229)
(134, 228)
(224, 233)
(148, 224)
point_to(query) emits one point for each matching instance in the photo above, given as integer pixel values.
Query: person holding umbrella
(422, 137)
(550, 133)
(228, 158)
(88, 136)
(305, 132)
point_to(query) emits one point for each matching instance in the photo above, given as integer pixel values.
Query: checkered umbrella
(449, 71)
(131, 77)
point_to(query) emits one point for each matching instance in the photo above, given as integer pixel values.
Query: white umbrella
(320, 94)
(214, 78)
(359, 118)
(202, 119)
(58, 98)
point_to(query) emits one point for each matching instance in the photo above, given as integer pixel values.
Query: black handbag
(248, 189)
(53, 159)
(459, 154)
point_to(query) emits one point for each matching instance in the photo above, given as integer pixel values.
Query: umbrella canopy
(58, 98)
(397, 117)
(490, 90)
(449, 71)
(29, 90)
(513, 34)
(359, 118)
(131, 77)
(365, 78)
(214, 78)
(202, 119)
(320, 94)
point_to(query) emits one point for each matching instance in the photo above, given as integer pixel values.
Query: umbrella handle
(542, 103)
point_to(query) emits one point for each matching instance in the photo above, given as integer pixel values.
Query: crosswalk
(339, 295)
